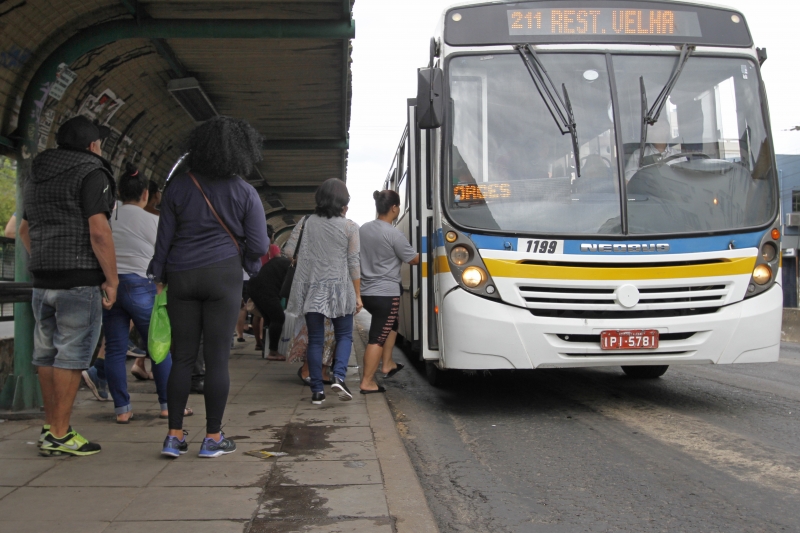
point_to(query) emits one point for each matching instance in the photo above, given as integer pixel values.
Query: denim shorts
(68, 324)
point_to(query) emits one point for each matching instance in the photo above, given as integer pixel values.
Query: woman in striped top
(327, 282)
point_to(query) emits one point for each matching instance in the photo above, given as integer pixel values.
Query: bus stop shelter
(151, 70)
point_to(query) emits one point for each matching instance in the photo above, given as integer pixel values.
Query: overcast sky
(392, 42)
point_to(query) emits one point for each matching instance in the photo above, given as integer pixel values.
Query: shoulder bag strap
(214, 211)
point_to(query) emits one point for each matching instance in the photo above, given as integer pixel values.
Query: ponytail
(384, 200)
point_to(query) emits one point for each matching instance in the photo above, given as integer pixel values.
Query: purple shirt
(189, 236)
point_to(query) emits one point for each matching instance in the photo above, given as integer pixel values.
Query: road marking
(713, 446)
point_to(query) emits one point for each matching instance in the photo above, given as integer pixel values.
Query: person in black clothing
(265, 291)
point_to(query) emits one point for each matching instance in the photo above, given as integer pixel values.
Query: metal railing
(7, 261)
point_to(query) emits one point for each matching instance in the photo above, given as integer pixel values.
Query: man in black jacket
(67, 202)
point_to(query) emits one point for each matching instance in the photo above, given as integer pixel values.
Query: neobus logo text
(624, 247)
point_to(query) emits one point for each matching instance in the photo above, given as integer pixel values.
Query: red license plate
(629, 339)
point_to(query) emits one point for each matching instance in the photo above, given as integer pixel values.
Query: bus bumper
(483, 334)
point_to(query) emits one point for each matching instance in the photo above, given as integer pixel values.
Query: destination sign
(594, 21)
(608, 21)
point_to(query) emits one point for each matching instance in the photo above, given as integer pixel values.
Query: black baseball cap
(79, 132)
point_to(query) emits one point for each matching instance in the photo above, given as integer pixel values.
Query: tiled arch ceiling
(290, 89)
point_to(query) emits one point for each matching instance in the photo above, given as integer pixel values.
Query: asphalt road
(701, 449)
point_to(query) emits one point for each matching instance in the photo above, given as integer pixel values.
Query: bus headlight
(473, 276)
(768, 252)
(762, 274)
(459, 255)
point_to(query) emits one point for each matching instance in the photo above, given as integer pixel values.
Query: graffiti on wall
(45, 127)
(14, 57)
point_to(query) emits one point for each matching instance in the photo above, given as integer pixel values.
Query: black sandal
(380, 389)
(394, 371)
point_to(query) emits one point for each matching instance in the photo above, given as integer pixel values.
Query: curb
(408, 506)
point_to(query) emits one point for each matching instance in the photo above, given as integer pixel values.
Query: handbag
(221, 223)
(286, 287)
(159, 334)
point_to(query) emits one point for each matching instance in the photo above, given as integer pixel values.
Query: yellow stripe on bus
(442, 263)
(499, 268)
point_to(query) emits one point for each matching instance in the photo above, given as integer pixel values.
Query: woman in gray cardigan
(327, 282)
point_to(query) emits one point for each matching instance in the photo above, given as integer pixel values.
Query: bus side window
(402, 190)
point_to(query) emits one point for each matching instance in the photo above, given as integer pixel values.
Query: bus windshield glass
(706, 164)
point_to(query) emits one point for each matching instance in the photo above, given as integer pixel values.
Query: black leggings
(384, 316)
(202, 301)
(272, 311)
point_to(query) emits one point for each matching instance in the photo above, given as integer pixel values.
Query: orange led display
(479, 193)
(608, 21)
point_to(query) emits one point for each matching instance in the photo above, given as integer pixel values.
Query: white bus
(590, 183)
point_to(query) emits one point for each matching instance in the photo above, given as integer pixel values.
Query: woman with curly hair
(327, 282)
(212, 224)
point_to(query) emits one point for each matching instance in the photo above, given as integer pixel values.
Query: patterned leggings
(384, 316)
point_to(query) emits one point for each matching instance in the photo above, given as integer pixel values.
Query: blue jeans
(67, 326)
(135, 298)
(343, 329)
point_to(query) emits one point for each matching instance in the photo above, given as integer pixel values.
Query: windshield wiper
(650, 117)
(560, 109)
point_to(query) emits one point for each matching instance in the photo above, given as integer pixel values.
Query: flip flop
(276, 358)
(139, 374)
(394, 371)
(380, 389)
(128, 421)
(186, 412)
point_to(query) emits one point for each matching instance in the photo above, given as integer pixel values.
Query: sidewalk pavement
(346, 468)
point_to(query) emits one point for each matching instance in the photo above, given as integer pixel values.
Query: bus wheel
(435, 375)
(645, 372)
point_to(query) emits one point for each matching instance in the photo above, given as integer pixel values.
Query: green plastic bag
(159, 336)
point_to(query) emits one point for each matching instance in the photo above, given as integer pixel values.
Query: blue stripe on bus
(676, 246)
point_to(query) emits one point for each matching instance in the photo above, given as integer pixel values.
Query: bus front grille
(661, 300)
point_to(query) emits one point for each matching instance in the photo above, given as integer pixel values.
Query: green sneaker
(45, 429)
(73, 443)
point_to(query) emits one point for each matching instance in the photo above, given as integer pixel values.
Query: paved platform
(346, 468)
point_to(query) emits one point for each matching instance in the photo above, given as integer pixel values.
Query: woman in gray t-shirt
(383, 250)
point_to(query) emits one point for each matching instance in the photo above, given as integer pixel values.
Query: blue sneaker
(99, 387)
(174, 447)
(135, 351)
(211, 448)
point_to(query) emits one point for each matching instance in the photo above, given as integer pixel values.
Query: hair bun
(130, 169)
(375, 195)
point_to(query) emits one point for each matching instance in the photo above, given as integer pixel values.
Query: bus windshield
(706, 166)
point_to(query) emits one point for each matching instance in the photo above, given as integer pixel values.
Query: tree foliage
(8, 189)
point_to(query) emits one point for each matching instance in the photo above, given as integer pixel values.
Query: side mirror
(762, 55)
(430, 98)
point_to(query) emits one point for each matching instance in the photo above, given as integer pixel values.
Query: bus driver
(657, 147)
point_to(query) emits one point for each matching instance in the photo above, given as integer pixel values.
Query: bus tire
(435, 375)
(645, 372)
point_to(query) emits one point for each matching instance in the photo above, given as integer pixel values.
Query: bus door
(424, 168)
(412, 295)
